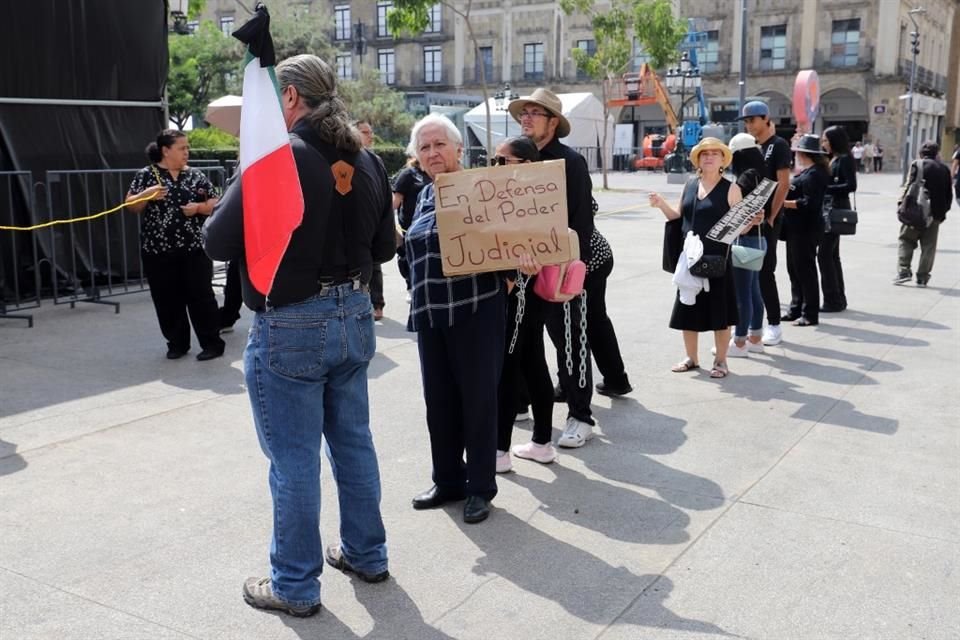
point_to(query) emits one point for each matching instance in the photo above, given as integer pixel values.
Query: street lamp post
(502, 99)
(915, 43)
(677, 80)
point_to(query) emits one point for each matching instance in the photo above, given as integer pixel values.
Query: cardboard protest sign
(735, 221)
(487, 218)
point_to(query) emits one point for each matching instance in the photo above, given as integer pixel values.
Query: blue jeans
(306, 373)
(749, 299)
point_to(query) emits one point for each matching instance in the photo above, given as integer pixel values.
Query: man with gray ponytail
(311, 343)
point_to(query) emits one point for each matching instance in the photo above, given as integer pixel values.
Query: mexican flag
(272, 199)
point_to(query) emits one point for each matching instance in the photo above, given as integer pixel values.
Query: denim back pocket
(296, 346)
(367, 333)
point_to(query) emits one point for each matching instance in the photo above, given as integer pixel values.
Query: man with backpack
(921, 208)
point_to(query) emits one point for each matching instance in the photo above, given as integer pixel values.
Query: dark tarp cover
(76, 50)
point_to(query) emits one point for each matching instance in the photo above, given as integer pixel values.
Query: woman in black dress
(803, 227)
(406, 187)
(704, 201)
(843, 182)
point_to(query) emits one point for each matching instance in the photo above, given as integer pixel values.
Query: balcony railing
(926, 78)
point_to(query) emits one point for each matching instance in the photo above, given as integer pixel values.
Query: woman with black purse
(803, 227)
(843, 182)
(706, 200)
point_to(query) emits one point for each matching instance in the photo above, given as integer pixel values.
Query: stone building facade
(860, 49)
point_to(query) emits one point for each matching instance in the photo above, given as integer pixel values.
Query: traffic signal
(915, 42)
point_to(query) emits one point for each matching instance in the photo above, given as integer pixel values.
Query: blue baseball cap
(753, 109)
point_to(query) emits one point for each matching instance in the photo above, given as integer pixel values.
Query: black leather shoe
(829, 308)
(433, 498)
(790, 317)
(610, 390)
(175, 354)
(475, 510)
(209, 354)
(337, 560)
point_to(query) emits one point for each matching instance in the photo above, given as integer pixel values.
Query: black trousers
(232, 295)
(180, 283)
(578, 397)
(526, 377)
(600, 332)
(768, 277)
(802, 268)
(831, 272)
(461, 367)
(376, 287)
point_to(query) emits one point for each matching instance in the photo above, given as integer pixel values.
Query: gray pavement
(814, 493)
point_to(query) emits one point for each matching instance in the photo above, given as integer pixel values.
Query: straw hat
(710, 143)
(742, 141)
(549, 101)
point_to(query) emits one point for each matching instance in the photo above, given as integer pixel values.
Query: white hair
(453, 134)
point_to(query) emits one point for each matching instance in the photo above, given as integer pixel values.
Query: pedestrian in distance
(803, 228)
(406, 188)
(777, 155)
(877, 156)
(541, 119)
(311, 342)
(704, 202)
(858, 155)
(376, 280)
(936, 180)
(843, 182)
(178, 200)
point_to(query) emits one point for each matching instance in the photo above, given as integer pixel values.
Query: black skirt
(713, 311)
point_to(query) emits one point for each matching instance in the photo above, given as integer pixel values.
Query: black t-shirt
(777, 155)
(409, 183)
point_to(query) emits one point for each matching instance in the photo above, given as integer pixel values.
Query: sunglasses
(499, 161)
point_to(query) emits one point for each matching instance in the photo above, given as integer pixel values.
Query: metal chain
(521, 305)
(584, 354)
(566, 338)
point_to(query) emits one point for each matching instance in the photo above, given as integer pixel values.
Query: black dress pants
(768, 277)
(461, 367)
(802, 268)
(578, 395)
(180, 283)
(831, 273)
(376, 287)
(232, 295)
(525, 372)
(600, 332)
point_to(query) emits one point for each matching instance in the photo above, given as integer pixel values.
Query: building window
(436, 24)
(432, 64)
(590, 47)
(485, 57)
(845, 43)
(533, 61)
(382, 8)
(710, 54)
(341, 22)
(193, 25)
(640, 56)
(226, 25)
(344, 66)
(773, 47)
(385, 64)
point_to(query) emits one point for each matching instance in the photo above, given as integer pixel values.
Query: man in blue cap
(777, 155)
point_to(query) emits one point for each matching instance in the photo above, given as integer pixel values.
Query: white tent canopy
(583, 110)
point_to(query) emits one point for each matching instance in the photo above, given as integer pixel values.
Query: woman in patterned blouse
(178, 271)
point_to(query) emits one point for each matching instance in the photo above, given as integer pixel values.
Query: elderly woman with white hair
(703, 202)
(460, 325)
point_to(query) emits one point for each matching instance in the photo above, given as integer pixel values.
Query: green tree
(413, 16)
(300, 28)
(203, 66)
(658, 30)
(611, 56)
(369, 99)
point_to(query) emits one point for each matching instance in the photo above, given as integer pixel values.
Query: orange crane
(643, 88)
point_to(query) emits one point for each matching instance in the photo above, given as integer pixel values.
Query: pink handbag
(562, 282)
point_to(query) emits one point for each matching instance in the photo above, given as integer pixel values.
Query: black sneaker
(258, 593)
(922, 282)
(175, 354)
(336, 559)
(613, 391)
(903, 276)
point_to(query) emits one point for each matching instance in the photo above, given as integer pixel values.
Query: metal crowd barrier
(19, 258)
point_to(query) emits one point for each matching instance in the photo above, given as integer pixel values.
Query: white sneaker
(504, 463)
(772, 335)
(542, 453)
(734, 351)
(754, 347)
(523, 417)
(575, 434)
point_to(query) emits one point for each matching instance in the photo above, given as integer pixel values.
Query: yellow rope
(83, 219)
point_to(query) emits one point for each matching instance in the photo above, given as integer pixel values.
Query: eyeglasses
(534, 114)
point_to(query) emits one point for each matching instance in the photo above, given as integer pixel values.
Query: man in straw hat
(541, 119)
(776, 153)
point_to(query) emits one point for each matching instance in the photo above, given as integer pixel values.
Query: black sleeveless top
(700, 215)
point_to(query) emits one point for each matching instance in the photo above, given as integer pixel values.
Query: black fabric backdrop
(76, 50)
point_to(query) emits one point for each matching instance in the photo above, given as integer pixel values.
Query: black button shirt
(164, 228)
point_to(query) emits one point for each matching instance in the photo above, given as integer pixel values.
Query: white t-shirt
(857, 152)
